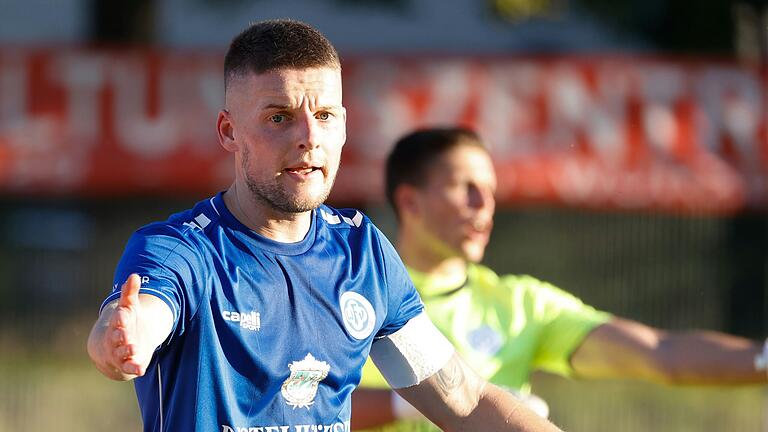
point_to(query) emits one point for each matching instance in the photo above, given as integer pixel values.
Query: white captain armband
(411, 354)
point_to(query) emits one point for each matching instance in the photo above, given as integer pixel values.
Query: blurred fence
(57, 258)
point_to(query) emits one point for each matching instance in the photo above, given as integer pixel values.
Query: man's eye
(324, 116)
(277, 118)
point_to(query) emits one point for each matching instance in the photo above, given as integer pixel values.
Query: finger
(117, 337)
(122, 318)
(129, 292)
(124, 352)
(130, 366)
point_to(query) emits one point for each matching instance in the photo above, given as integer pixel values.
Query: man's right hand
(129, 329)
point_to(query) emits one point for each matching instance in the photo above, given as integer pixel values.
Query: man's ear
(226, 131)
(344, 122)
(406, 198)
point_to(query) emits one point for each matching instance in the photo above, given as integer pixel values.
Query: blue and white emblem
(485, 340)
(300, 388)
(357, 314)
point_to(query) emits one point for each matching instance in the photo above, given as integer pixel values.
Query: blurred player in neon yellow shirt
(441, 184)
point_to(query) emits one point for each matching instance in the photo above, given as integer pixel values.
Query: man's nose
(308, 132)
(480, 197)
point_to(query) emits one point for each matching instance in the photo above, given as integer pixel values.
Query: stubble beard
(276, 197)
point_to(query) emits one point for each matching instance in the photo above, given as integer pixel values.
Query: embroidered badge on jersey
(301, 386)
(358, 315)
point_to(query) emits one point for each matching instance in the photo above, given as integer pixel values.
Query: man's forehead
(283, 85)
(464, 160)
(278, 79)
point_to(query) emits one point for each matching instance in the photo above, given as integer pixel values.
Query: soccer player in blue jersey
(255, 310)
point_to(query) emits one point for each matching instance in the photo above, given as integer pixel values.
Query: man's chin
(309, 202)
(474, 255)
(297, 204)
(312, 196)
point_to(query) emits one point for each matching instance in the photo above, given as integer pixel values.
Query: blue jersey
(267, 336)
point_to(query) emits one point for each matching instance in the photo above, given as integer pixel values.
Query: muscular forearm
(709, 358)
(456, 399)
(498, 410)
(627, 349)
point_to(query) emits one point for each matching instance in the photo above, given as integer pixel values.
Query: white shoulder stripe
(333, 219)
(330, 218)
(214, 207)
(358, 218)
(202, 220)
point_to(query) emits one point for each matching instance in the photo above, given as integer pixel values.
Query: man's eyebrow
(277, 106)
(328, 107)
(291, 107)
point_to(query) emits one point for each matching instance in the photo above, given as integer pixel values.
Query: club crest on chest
(300, 388)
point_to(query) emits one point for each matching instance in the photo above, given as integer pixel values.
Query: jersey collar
(262, 242)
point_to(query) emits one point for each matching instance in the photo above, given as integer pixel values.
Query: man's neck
(447, 270)
(264, 220)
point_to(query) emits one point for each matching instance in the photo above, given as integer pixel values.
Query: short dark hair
(278, 44)
(412, 155)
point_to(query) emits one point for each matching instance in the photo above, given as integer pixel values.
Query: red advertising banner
(602, 132)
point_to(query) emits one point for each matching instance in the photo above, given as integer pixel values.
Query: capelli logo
(248, 320)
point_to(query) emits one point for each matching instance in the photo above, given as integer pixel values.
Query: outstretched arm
(129, 329)
(457, 399)
(627, 349)
(376, 407)
(422, 366)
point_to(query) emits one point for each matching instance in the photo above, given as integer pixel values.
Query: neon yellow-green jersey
(505, 327)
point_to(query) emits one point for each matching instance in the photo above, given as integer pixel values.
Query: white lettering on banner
(151, 136)
(449, 91)
(32, 148)
(82, 76)
(508, 113)
(333, 427)
(74, 120)
(191, 89)
(384, 108)
(731, 98)
(661, 87)
(579, 116)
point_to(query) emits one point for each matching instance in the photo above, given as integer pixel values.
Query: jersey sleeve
(168, 267)
(564, 322)
(403, 302)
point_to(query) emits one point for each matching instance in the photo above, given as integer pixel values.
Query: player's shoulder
(344, 218)
(184, 226)
(513, 281)
(537, 289)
